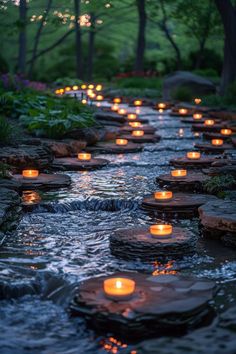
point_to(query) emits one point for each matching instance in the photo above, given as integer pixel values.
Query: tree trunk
(141, 40)
(199, 58)
(37, 38)
(165, 29)
(78, 42)
(22, 36)
(228, 16)
(91, 47)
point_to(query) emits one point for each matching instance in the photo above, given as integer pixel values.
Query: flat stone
(152, 309)
(192, 182)
(112, 148)
(110, 116)
(185, 162)
(209, 148)
(181, 204)
(148, 129)
(191, 120)
(210, 136)
(221, 170)
(73, 164)
(138, 243)
(26, 156)
(66, 147)
(10, 209)
(89, 135)
(208, 128)
(146, 138)
(44, 181)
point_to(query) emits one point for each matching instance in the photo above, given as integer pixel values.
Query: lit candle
(226, 132)
(178, 173)
(114, 107)
(132, 116)
(91, 86)
(83, 87)
(30, 197)
(62, 90)
(197, 100)
(99, 88)
(183, 111)
(161, 230)
(99, 98)
(30, 174)
(163, 196)
(75, 87)
(209, 122)
(193, 155)
(138, 103)
(122, 111)
(138, 133)
(84, 101)
(67, 88)
(84, 156)
(217, 142)
(160, 110)
(119, 288)
(135, 124)
(161, 105)
(197, 116)
(121, 141)
(117, 100)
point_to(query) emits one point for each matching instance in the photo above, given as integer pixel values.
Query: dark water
(66, 240)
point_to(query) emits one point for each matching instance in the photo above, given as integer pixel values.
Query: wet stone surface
(138, 243)
(162, 304)
(44, 181)
(192, 182)
(146, 138)
(116, 149)
(73, 164)
(10, 209)
(209, 148)
(200, 163)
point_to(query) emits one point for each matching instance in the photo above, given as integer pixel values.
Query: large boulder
(198, 85)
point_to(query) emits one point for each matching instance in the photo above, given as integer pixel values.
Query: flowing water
(65, 240)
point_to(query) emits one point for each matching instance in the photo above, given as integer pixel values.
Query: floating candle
(99, 88)
(121, 141)
(138, 103)
(122, 111)
(161, 230)
(67, 88)
(83, 87)
(178, 173)
(99, 98)
(197, 100)
(197, 116)
(138, 133)
(119, 288)
(91, 86)
(114, 107)
(193, 155)
(209, 122)
(30, 174)
(30, 197)
(132, 116)
(183, 111)
(75, 87)
(84, 101)
(226, 132)
(161, 105)
(117, 100)
(84, 156)
(135, 124)
(217, 142)
(163, 196)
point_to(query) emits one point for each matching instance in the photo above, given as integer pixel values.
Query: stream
(66, 240)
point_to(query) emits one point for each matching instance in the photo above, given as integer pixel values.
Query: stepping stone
(221, 170)
(146, 138)
(44, 181)
(110, 116)
(112, 148)
(162, 304)
(73, 164)
(10, 210)
(192, 182)
(185, 162)
(218, 219)
(148, 129)
(138, 243)
(191, 120)
(210, 136)
(182, 204)
(208, 128)
(209, 148)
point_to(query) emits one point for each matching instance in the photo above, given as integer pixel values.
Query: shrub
(218, 184)
(183, 94)
(5, 131)
(139, 83)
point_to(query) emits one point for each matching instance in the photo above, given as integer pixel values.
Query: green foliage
(182, 94)
(5, 131)
(140, 83)
(218, 184)
(224, 102)
(4, 170)
(53, 117)
(133, 92)
(209, 73)
(67, 81)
